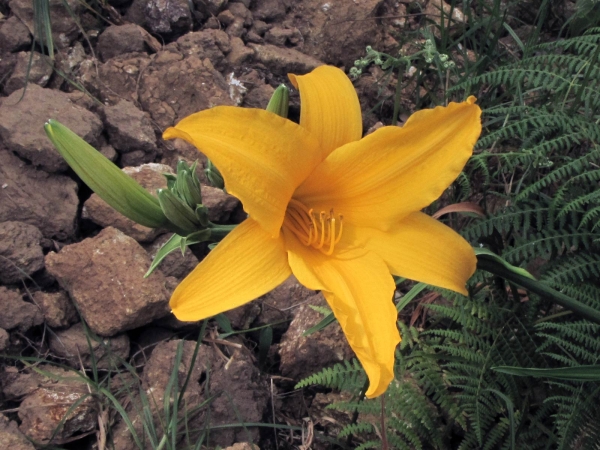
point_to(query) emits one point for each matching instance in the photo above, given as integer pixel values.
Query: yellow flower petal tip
(339, 212)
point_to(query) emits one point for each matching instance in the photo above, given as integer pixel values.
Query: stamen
(319, 232)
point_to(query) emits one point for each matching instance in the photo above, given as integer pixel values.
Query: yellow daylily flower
(339, 212)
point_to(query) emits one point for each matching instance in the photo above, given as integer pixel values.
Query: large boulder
(104, 276)
(46, 201)
(22, 119)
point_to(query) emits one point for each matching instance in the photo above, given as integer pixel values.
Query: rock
(150, 177)
(243, 446)
(174, 265)
(259, 96)
(270, 10)
(46, 408)
(337, 32)
(10, 436)
(4, 340)
(73, 345)
(220, 205)
(7, 65)
(57, 308)
(283, 36)
(14, 36)
(17, 384)
(242, 395)
(210, 7)
(128, 128)
(117, 78)
(17, 313)
(282, 61)
(121, 39)
(172, 87)
(168, 17)
(40, 71)
(20, 252)
(239, 54)
(64, 27)
(32, 196)
(104, 278)
(241, 11)
(282, 302)
(236, 28)
(211, 44)
(22, 124)
(226, 17)
(301, 355)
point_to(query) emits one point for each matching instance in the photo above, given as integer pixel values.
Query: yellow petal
(359, 288)
(395, 171)
(245, 265)
(261, 156)
(329, 107)
(422, 249)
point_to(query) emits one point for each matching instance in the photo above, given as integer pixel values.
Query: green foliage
(536, 172)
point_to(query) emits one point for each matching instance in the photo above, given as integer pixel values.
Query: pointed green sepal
(214, 176)
(113, 185)
(180, 214)
(280, 101)
(202, 215)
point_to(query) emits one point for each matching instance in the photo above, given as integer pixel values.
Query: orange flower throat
(321, 231)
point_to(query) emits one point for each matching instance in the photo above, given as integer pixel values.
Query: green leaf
(410, 295)
(170, 246)
(327, 320)
(492, 263)
(113, 185)
(177, 211)
(578, 373)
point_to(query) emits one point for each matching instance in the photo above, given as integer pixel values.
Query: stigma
(320, 230)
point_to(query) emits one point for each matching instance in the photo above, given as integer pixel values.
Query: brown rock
(240, 54)
(226, 17)
(168, 17)
(241, 11)
(301, 355)
(14, 36)
(210, 7)
(128, 128)
(57, 308)
(282, 302)
(10, 436)
(74, 344)
(37, 72)
(150, 177)
(104, 278)
(17, 384)
(42, 411)
(35, 197)
(220, 205)
(270, 10)
(211, 44)
(337, 32)
(283, 36)
(117, 78)
(236, 28)
(22, 124)
(121, 39)
(64, 26)
(17, 313)
(243, 446)
(4, 339)
(175, 264)
(282, 61)
(242, 394)
(20, 252)
(172, 88)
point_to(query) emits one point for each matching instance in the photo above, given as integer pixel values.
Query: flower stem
(218, 232)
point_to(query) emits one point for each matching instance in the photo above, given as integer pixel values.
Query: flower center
(319, 230)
